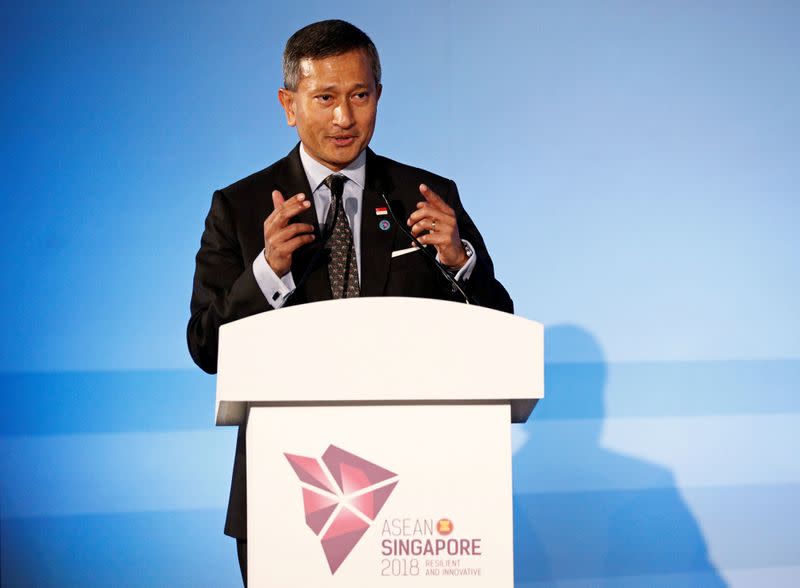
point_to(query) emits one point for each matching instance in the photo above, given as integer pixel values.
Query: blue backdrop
(634, 170)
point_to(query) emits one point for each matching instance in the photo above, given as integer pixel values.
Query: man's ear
(378, 90)
(286, 98)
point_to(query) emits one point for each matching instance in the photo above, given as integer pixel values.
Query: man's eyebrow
(334, 87)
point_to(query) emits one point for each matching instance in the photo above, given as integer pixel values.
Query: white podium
(378, 439)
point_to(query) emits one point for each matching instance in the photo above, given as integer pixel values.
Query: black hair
(326, 39)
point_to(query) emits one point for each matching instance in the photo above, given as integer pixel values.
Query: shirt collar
(316, 172)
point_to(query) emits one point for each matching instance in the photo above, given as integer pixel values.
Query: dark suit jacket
(225, 288)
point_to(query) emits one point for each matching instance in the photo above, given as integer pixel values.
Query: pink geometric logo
(342, 495)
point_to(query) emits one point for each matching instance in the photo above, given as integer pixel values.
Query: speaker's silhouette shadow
(583, 512)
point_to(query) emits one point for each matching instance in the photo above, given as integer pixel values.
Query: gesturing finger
(291, 245)
(436, 238)
(277, 199)
(433, 198)
(431, 213)
(286, 233)
(434, 225)
(286, 209)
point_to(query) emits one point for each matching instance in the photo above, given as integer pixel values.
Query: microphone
(428, 256)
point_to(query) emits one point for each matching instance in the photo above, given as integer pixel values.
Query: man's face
(334, 107)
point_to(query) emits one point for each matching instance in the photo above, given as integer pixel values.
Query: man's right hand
(282, 239)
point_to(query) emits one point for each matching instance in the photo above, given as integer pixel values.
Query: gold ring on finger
(433, 226)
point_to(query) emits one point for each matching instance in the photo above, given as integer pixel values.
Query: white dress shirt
(276, 289)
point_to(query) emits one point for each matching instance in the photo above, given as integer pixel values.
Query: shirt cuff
(463, 274)
(275, 289)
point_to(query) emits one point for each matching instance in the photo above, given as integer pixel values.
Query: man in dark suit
(334, 236)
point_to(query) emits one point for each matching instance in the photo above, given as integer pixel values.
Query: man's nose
(343, 115)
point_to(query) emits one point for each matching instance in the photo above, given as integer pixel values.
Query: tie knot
(335, 183)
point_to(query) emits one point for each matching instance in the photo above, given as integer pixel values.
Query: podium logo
(444, 526)
(342, 495)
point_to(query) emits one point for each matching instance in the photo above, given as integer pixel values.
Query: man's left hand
(436, 217)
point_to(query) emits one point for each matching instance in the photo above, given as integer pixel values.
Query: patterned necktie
(342, 267)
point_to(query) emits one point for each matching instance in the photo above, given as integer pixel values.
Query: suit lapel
(376, 242)
(292, 180)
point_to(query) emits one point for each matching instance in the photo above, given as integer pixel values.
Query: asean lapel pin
(384, 225)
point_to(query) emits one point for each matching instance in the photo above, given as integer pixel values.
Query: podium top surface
(379, 350)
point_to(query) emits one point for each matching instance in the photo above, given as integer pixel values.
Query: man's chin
(344, 156)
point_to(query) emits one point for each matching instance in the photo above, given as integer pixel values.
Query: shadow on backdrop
(583, 512)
